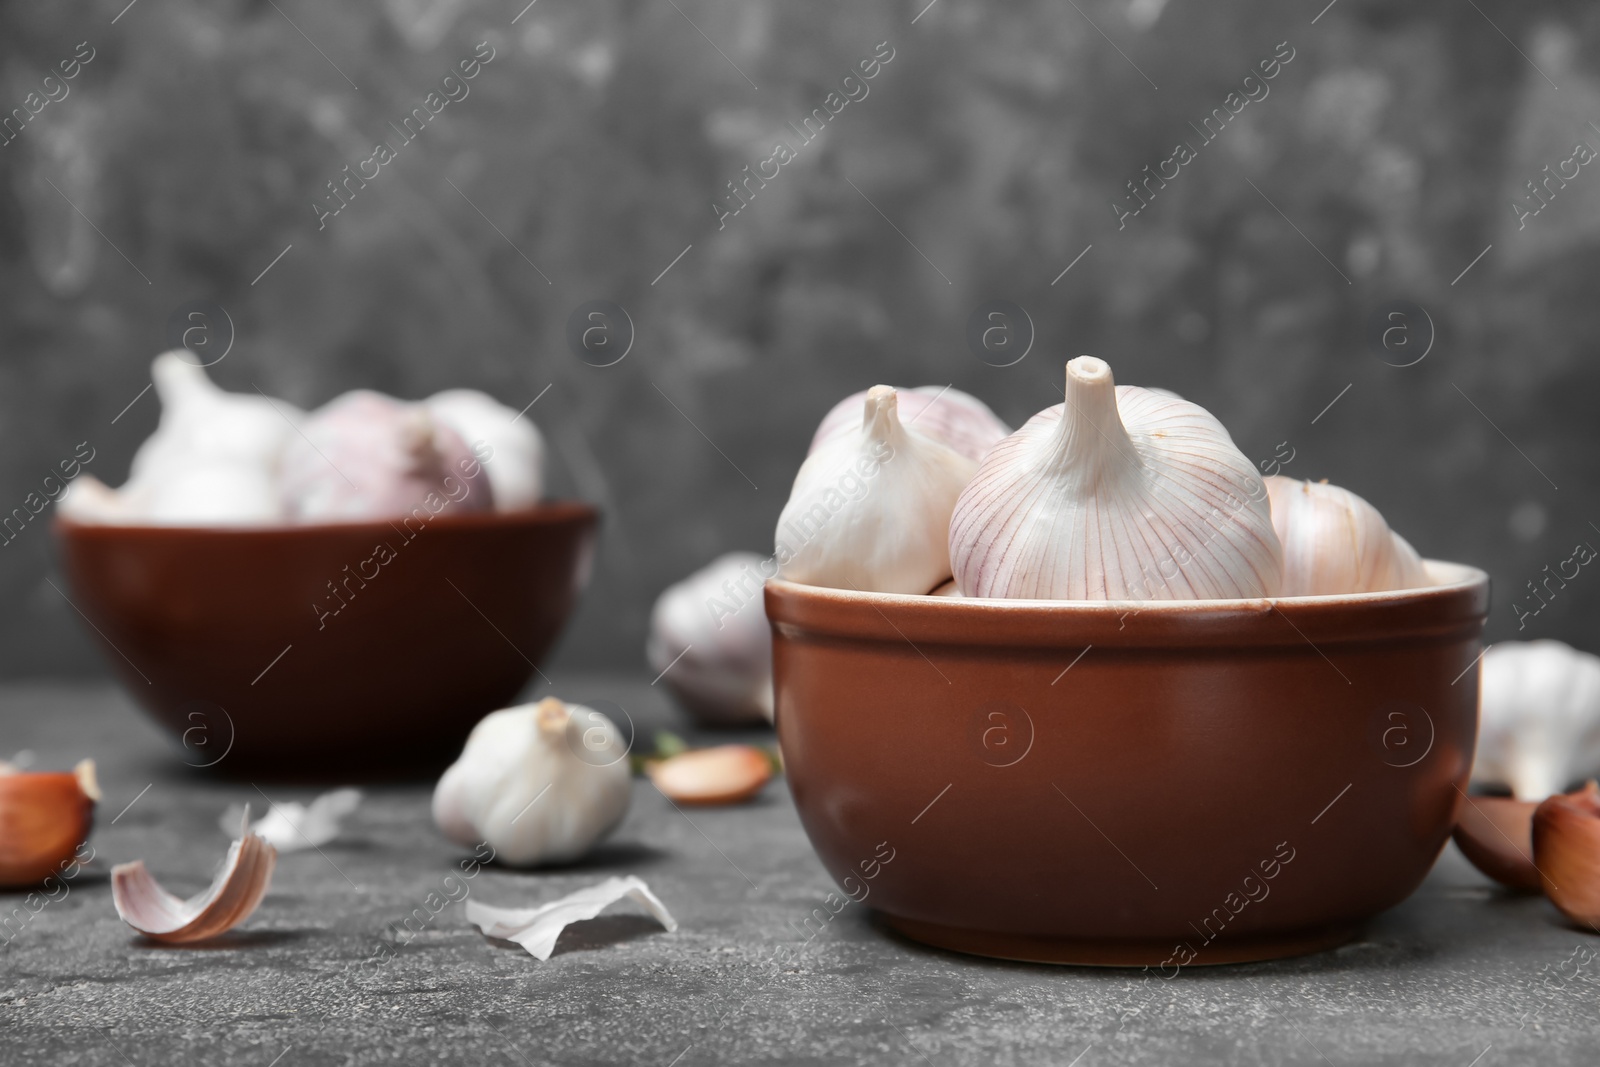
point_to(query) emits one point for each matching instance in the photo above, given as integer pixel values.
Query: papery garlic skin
(869, 510)
(1119, 493)
(515, 457)
(541, 783)
(710, 642)
(365, 456)
(1335, 542)
(955, 419)
(1539, 719)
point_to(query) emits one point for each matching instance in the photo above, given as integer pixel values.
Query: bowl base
(1098, 952)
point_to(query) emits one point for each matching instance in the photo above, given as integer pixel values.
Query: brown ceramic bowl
(235, 640)
(1161, 784)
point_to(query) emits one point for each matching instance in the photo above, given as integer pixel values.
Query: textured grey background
(1387, 156)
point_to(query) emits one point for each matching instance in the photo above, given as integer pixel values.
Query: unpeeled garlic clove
(710, 642)
(541, 783)
(366, 456)
(1539, 725)
(233, 895)
(1566, 849)
(1496, 836)
(955, 419)
(1335, 542)
(870, 509)
(726, 774)
(1119, 493)
(44, 818)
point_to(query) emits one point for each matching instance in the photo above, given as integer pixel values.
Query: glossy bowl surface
(352, 648)
(1161, 783)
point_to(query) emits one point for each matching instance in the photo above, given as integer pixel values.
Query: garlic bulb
(541, 783)
(869, 509)
(710, 642)
(953, 418)
(514, 457)
(213, 458)
(1335, 542)
(1116, 494)
(1539, 724)
(368, 456)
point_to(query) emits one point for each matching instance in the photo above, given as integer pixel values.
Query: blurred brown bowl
(1167, 784)
(298, 649)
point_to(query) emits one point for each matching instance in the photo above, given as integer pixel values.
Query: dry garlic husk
(514, 456)
(232, 896)
(1335, 542)
(1119, 493)
(710, 642)
(958, 420)
(1566, 851)
(1539, 724)
(870, 509)
(541, 783)
(44, 818)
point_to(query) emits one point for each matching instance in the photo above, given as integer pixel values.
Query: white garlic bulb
(541, 783)
(958, 420)
(365, 456)
(869, 510)
(1335, 542)
(1539, 724)
(710, 642)
(514, 458)
(214, 457)
(1116, 494)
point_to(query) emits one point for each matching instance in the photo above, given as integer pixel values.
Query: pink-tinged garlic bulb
(869, 510)
(368, 456)
(710, 642)
(955, 419)
(1117, 494)
(512, 447)
(1335, 542)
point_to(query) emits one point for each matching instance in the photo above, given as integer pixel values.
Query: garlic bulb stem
(1095, 441)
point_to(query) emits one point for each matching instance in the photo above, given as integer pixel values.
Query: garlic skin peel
(870, 509)
(1335, 542)
(955, 419)
(236, 891)
(1539, 721)
(710, 642)
(1119, 493)
(541, 783)
(514, 458)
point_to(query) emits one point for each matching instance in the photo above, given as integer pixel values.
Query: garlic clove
(44, 818)
(1566, 849)
(367, 456)
(89, 500)
(726, 774)
(290, 827)
(540, 783)
(1539, 724)
(233, 895)
(1496, 836)
(1335, 542)
(1119, 493)
(508, 443)
(947, 589)
(710, 642)
(870, 510)
(955, 419)
(538, 929)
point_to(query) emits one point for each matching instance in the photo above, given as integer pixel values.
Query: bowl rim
(1458, 603)
(546, 512)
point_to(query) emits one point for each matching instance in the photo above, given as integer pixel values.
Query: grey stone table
(1460, 974)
